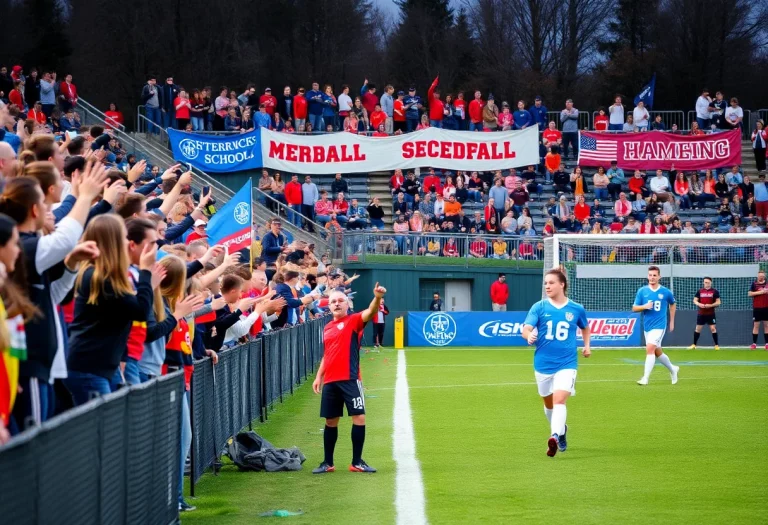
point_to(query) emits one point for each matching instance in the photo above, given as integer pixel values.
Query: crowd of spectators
(107, 277)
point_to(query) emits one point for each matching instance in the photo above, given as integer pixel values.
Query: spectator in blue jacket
(523, 119)
(539, 113)
(262, 118)
(293, 299)
(272, 245)
(47, 93)
(412, 104)
(316, 104)
(168, 94)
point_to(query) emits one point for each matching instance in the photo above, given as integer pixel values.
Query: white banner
(345, 152)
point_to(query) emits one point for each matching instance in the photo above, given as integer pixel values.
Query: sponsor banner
(433, 147)
(660, 150)
(609, 329)
(231, 225)
(217, 154)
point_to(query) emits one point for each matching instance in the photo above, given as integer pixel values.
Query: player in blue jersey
(655, 300)
(552, 324)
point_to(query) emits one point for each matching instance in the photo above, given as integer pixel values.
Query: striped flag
(597, 151)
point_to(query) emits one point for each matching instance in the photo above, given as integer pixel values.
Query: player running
(556, 358)
(655, 300)
(759, 294)
(339, 376)
(706, 299)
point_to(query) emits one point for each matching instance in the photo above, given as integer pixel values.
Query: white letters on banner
(433, 147)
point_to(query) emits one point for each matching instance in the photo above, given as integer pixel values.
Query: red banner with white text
(433, 147)
(654, 150)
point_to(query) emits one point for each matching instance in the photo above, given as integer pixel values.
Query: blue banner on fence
(608, 329)
(217, 154)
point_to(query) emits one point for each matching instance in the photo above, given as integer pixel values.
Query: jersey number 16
(561, 331)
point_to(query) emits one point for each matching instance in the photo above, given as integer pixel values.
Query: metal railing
(431, 249)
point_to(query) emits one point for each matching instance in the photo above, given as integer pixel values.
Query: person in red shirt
(368, 97)
(114, 116)
(582, 210)
(601, 120)
(198, 232)
(706, 299)
(293, 198)
(380, 131)
(759, 294)
(476, 113)
(340, 379)
(499, 294)
(399, 113)
(182, 105)
(340, 208)
(36, 114)
(553, 135)
(436, 105)
(269, 101)
(432, 181)
(377, 117)
(16, 96)
(460, 110)
(300, 109)
(68, 94)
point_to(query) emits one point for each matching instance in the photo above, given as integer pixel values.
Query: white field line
(409, 487)
(438, 349)
(628, 381)
(495, 365)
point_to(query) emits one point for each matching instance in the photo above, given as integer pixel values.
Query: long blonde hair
(173, 285)
(109, 234)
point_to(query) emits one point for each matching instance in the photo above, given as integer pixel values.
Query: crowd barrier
(115, 459)
(248, 381)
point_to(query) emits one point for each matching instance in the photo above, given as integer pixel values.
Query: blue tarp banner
(609, 329)
(217, 154)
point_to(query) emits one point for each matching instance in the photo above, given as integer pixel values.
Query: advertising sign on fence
(351, 153)
(654, 150)
(609, 329)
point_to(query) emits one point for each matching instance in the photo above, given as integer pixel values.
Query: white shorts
(654, 337)
(561, 380)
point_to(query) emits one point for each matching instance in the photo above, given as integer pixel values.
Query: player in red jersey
(759, 294)
(340, 379)
(706, 299)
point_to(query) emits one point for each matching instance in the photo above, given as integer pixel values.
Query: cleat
(186, 507)
(552, 445)
(642, 381)
(717, 347)
(362, 467)
(692, 347)
(673, 374)
(562, 445)
(323, 468)
(753, 347)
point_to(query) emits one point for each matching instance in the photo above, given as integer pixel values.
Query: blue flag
(231, 225)
(646, 94)
(217, 154)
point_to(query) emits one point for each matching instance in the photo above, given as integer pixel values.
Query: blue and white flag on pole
(646, 94)
(231, 225)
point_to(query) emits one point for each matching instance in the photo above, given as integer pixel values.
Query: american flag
(595, 151)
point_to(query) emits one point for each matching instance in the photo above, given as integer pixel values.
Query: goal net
(605, 271)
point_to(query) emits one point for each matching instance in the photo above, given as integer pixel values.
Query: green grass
(449, 261)
(690, 453)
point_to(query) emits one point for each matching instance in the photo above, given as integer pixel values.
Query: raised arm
(373, 308)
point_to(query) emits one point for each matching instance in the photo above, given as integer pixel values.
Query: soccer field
(691, 453)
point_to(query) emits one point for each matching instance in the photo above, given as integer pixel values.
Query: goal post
(605, 271)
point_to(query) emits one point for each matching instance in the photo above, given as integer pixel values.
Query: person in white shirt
(660, 185)
(345, 103)
(734, 115)
(702, 109)
(641, 117)
(616, 119)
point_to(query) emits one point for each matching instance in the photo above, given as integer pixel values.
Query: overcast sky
(391, 7)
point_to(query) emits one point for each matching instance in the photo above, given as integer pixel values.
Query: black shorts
(339, 393)
(701, 320)
(760, 314)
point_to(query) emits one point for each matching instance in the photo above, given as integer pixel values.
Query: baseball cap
(411, 88)
(200, 222)
(538, 97)
(267, 89)
(401, 92)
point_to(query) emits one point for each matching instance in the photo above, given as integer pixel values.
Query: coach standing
(499, 294)
(340, 379)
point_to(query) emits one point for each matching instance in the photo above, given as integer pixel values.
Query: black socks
(715, 338)
(329, 442)
(358, 439)
(696, 336)
(754, 338)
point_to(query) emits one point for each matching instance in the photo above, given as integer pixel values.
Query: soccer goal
(605, 271)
